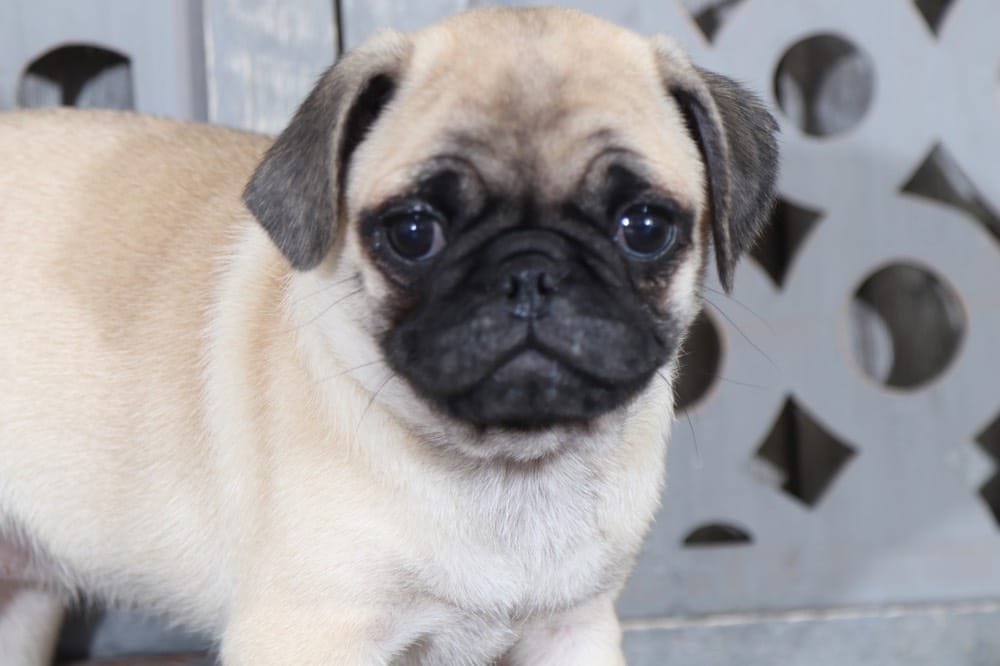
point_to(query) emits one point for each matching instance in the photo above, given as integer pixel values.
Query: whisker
(740, 331)
(698, 462)
(722, 378)
(371, 400)
(687, 415)
(743, 305)
(326, 309)
(357, 367)
(325, 289)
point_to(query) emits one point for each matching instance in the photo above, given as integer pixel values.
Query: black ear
(296, 193)
(736, 137)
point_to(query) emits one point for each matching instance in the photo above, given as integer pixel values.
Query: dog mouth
(494, 370)
(532, 388)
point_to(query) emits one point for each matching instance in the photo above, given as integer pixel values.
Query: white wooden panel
(162, 39)
(264, 57)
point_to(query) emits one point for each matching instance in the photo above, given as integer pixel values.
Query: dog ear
(736, 136)
(296, 192)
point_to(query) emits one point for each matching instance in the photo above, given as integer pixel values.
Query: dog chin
(533, 391)
(516, 432)
(520, 445)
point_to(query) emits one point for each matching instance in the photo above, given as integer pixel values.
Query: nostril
(546, 283)
(511, 286)
(528, 289)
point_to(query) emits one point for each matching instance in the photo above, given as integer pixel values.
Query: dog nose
(528, 286)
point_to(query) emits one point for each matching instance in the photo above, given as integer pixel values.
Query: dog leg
(585, 636)
(30, 619)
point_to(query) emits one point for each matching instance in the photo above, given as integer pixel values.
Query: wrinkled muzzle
(532, 331)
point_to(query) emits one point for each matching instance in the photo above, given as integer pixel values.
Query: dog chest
(478, 599)
(513, 550)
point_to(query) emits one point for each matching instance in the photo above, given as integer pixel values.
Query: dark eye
(415, 235)
(646, 231)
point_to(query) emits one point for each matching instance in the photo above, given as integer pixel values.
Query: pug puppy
(392, 389)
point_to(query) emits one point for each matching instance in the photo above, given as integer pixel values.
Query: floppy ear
(296, 193)
(736, 137)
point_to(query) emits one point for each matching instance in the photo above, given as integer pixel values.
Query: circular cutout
(824, 84)
(906, 326)
(697, 364)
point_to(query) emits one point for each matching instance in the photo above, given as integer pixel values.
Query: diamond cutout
(710, 15)
(940, 178)
(933, 12)
(801, 455)
(989, 441)
(717, 534)
(790, 225)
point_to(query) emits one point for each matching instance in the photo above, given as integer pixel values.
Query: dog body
(408, 403)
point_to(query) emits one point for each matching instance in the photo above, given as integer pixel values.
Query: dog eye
(415, 235)
(646, 231)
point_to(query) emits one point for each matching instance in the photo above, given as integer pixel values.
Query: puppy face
(526, 198)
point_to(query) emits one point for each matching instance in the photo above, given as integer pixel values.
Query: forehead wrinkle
(530, 108)
(483, 152)
(483, 149)
(558, 173)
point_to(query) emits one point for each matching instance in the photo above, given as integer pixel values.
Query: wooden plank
(162, 41)
(264, 57)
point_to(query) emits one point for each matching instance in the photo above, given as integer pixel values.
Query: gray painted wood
(361, 18)
(903, 521)
(162, 40)
(947, 635)
(264, 57)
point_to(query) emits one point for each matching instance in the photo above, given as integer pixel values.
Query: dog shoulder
(46, 145)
